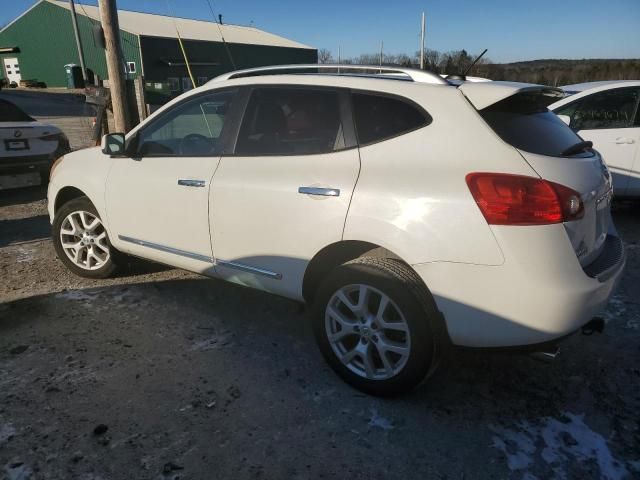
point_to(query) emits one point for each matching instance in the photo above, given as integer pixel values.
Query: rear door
(283, 194)
(607, 119)
(553, 150)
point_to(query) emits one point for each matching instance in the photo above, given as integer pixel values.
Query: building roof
(153, 25)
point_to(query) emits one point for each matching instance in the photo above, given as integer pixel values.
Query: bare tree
(324, 56)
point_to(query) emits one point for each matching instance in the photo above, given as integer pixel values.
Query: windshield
(10, 113)
(524, 122)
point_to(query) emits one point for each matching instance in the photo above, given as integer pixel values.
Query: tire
(103, 263)
(408, 333)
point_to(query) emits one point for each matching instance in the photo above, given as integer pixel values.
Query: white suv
(410, 213)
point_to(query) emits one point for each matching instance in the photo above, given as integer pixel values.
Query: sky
(512, 30)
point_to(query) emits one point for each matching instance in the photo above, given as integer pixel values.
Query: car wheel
(81, 241)
(376, 325)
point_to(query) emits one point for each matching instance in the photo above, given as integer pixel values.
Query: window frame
(346, 117)
(401, 98)
(635, 117)
(230, 125)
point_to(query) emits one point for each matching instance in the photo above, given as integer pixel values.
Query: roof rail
(375, 71)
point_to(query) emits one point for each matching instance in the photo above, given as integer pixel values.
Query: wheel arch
(334, 255)
(66, 194)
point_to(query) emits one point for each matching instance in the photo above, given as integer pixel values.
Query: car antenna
(463, 76)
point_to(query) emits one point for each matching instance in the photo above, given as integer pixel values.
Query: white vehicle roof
(602, 85)
(584, 89)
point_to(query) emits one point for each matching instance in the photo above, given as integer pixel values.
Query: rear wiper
(577, 148)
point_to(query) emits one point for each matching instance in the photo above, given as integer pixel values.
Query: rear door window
(524, 121)
(291, 121)
(381, 117)
(614, 108)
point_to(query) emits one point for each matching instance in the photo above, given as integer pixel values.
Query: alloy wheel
(367, 332)
(84, 240)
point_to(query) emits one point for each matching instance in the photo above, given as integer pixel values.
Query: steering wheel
(197, 144)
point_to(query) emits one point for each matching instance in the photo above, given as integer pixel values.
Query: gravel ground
(161, 374)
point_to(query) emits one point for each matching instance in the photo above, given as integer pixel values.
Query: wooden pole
(115, 63)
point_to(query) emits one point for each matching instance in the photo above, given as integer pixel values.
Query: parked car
(410, 215)
(27, 148)
(607, 114)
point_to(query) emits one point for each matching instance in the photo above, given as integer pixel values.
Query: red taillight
(506, 199)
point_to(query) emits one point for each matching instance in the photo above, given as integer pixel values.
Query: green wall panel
(47, 43)
(158, 52)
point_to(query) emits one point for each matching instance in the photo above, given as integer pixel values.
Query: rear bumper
(540, 294)
(26, 164)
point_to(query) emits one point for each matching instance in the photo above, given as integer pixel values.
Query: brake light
(506, 199)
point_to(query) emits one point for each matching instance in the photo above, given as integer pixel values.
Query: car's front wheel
(81, 241)
(375, 324)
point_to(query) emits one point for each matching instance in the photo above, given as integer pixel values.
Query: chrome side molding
(249, 269)
(164, 248)
(324, 192)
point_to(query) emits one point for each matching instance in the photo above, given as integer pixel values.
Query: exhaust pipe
(546, 356)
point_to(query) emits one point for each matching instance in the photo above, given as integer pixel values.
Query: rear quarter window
(10, 113)
(379, 117)
(524, 121)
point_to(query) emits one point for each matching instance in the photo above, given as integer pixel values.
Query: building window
(186, 84)
(202, 81)
(131, 67)
(174, 84)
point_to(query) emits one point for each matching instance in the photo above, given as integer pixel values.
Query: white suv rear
(410, 214)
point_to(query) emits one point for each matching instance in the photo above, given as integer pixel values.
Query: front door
(12, 70)
(284, 193)
(158, 201)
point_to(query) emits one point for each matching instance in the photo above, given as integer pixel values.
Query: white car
(608, 114)
(28, 148)
(411, 215)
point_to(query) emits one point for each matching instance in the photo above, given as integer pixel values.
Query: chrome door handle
(191, 183)
(622, 140)
(324, 192)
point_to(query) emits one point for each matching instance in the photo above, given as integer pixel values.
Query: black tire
(404, 288)
(81, 204)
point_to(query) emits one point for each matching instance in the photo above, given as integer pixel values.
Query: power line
(224, 42)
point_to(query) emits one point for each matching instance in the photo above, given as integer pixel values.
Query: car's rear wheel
(81, 241)
(375, 324)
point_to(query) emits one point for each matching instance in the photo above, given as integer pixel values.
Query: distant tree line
(547, 72)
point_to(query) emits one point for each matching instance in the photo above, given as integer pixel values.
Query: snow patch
(6, 433)
(379, 421)
(558, 443)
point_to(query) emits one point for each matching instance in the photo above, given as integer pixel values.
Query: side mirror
(565, 118)
(113, 144)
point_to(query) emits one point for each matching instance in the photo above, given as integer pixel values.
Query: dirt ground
(161, 374)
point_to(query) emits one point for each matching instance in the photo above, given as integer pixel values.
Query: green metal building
(39, 43)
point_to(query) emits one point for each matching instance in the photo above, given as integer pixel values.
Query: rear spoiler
(483, 94)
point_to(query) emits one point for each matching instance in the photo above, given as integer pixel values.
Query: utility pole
(74, 21)
(381, 48)
(115, 63)
(422, 44)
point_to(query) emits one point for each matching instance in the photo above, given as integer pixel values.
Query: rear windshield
(10, 113)
(524, 122)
